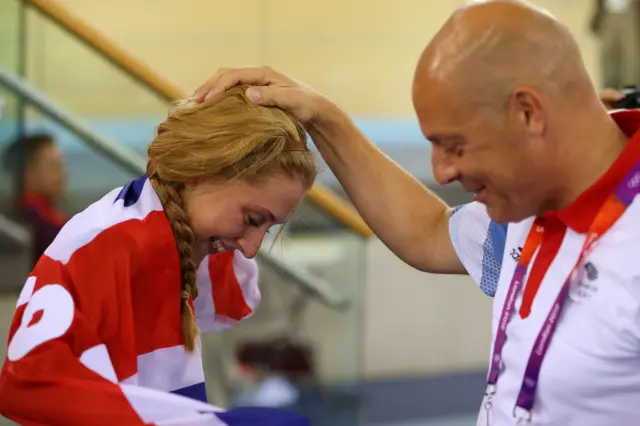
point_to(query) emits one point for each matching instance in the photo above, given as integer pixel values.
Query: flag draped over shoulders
(96, 337)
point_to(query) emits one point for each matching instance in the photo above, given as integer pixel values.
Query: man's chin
(501, 214)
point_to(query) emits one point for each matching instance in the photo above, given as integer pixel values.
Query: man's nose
(444, 171)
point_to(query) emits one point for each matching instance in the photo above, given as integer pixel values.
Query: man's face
(47, 173)
(490, 150)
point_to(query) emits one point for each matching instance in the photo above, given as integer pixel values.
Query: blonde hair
(222, 139)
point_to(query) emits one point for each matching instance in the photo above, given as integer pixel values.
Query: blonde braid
(170, 195)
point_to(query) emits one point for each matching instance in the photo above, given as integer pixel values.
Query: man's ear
(529, 110)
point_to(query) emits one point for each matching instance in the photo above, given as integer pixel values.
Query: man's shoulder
(479, 243)
(472, 221)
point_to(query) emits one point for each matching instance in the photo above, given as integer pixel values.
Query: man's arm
(409, 219)
(412, 221)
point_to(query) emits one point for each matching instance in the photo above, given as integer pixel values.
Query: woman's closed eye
(254, 222)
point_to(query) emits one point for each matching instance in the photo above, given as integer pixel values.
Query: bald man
(504, 98)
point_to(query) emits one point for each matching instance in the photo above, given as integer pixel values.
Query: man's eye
(456, 150)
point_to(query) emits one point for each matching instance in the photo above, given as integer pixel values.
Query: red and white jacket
(96, 338)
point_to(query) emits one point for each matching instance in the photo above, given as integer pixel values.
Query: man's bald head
(488, 48)
(506, 102)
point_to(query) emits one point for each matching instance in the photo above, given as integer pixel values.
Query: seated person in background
(40, 175)
(107, 326)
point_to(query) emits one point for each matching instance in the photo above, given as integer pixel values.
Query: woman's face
(236, 215)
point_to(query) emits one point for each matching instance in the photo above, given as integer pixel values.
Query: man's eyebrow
(439, 138)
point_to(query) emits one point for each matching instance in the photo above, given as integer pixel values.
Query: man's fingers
(280, 97)
(226, 78)
(229, 78)
(290, 99)
(610, 95)
(268, 88)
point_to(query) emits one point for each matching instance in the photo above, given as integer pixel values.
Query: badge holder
(522, 416)
(484, 416)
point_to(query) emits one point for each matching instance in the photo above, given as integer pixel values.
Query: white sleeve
(479, 244)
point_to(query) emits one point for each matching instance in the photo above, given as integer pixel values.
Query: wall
(360, 52)
(9, 60)
(421, 324)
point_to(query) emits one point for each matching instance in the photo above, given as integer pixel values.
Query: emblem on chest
(585, 284)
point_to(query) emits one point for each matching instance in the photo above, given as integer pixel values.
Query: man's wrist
(330, 121)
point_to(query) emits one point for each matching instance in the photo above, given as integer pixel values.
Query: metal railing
(15, 233)
(134, 163)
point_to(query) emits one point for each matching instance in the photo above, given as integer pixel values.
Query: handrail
(134, 163)
(17, 233)
(122, 156)
(320, 195)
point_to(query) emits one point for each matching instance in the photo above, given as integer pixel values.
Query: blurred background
(346, 333)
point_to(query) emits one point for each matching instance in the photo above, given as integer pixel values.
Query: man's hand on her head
(269, 88)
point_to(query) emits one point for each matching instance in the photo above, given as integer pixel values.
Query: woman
(107, 323)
